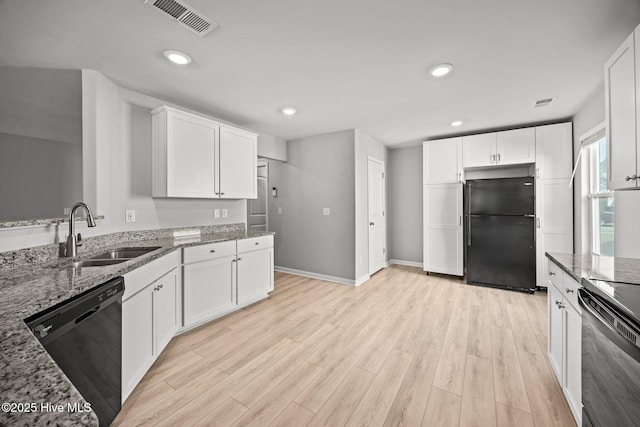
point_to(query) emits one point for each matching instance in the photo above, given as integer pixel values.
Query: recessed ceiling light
(440, 70)
(288, 111)
(177, 57)
(456, 123)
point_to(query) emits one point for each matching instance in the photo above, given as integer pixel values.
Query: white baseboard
(407, 263)
(334, 279)
(361, 280)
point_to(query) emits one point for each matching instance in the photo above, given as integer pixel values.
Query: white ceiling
(343, 64)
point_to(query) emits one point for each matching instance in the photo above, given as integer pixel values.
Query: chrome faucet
(72, 240)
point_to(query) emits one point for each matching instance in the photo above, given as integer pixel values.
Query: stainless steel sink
(96, 262)
(124, 253)
(115, 256)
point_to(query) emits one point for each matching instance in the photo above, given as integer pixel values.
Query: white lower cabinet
(150, 318)
(255, 275)
(209, 289)
(565, 337)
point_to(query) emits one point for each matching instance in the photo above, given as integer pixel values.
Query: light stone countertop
(29, 375)
(613, 269)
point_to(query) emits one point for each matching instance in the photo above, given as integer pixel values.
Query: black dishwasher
(83, 335)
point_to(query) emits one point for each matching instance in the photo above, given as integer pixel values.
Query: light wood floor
(403, 349)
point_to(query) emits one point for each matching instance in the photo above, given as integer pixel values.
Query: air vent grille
(626, 332)
(543, 102)
(185, 15)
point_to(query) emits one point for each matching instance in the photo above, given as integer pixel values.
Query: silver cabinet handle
(372, 223)
(551, 273)
(560, 306)
(221, 193)
(558, 302)
(212, 251)
(233, 260)
(257, 243)
(239, 259)
(498, 158)
(629, 178)
(569, 291)
(493, 158)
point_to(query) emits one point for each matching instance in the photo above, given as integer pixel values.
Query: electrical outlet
(279, 211)
(326, 211)
(130, 216)
(225, 213)
(216, 213)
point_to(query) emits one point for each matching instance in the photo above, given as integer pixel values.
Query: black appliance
(610, 353)
(500, 233)
(84, 337)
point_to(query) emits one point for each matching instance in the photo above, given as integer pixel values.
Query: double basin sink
(115, 256)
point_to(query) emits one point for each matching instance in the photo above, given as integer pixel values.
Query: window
(601, 199)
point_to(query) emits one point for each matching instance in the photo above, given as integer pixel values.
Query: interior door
(257, 209)
(376, 202)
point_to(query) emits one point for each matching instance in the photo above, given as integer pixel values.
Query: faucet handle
(79, 240)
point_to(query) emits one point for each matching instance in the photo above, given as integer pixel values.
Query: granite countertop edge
(29, 375)
(615, 269)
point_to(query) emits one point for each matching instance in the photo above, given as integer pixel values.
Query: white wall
(272, 148)
(117, 172)
(319, 173)
(404, 200)
(365, 146)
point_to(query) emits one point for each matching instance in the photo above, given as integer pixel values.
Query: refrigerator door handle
(468, 230)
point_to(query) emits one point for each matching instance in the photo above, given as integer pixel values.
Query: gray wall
(365, 146)
(40, 142)
(404, 201)
(271, 147)
(319, 173)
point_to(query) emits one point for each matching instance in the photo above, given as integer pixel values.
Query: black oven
(610, 356)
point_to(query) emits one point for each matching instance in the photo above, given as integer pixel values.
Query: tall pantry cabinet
(554, 197)
(442, 206)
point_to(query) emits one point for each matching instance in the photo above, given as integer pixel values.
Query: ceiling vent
(543, 102)
(184, 14)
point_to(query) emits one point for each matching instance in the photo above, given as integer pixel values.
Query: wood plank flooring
(404, 349)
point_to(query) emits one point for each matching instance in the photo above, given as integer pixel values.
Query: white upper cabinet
(505, 148)
(554, 148)
(479, 150)
(621, 97)
(195, 157)
(442, 161)
(239, 164)
(516, 146)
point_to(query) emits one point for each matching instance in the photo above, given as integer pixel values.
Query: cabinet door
(516, 146)
(238, 164)
(573, 360)
(209, 289)
(555, 331)
(443, 239)
(137, 339)
(479, 150)
(554, 148)
(554, 222)
(165, 310)
(620, 107)
(255, 275)
(191, 156)
(442, 161)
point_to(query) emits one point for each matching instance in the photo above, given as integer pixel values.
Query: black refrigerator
(500, 233)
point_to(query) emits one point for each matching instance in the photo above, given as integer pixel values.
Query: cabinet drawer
(255, 243)
(209, 251)
(141, 277)
(555, 274)
(570, 291)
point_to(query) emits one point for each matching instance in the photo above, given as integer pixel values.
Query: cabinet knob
(239, 259)
(629, 178)
(551, 273)
(569, 291)
(372, 223)
(560, 306)
(213, 251)
(257, 243)
(221, 193)
(558, 302)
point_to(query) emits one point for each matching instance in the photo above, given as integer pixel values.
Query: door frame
(384, 211)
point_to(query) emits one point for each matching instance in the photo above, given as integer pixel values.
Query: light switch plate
(130, 216)
(216, 213)
(326, 211)
(225, 213)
